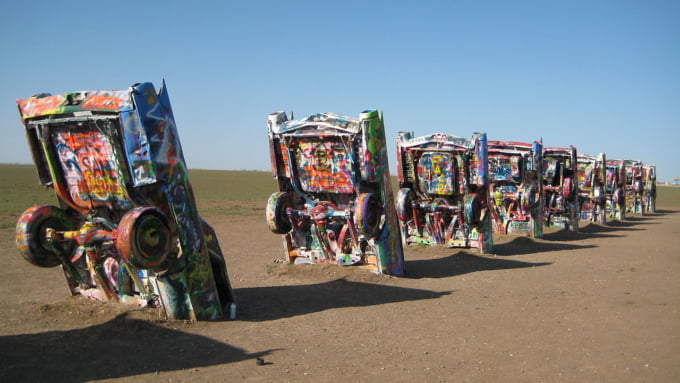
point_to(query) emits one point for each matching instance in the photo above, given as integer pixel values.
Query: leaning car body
(591, 185)
(127, 227)
(615, 189)
(444, 193)
(649, 179)
(515, 177)
(560, 189)
(634, 186)
(335, 202)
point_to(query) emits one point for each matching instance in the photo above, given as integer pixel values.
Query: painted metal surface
(335, 202)
(516, 187)
(444, 190)
(560, 189)
(591, 173)
(127, 227)
(634, 186)
(615, 189)
(649, 194)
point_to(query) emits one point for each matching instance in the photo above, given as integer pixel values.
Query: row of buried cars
(335, 203)
(127, 228)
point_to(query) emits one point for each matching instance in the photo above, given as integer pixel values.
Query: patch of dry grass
(222, 192)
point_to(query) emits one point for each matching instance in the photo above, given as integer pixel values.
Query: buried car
(560, 190)
(591, 185)
(127, 227)
(649, 192)
(615, 189)
(634, 186)
(443, 195)
(516, 185)
(335, 202)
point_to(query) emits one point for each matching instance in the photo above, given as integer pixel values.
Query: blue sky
(603, 76)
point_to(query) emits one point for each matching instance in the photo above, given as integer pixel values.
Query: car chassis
(444, 192)
(516, 187)
(649, 178)
(635, 184)
(127, 227)
(591, 172)
(560, 189)
(615, 189)
(335, 202)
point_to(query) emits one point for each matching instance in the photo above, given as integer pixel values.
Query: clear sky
(603, 76)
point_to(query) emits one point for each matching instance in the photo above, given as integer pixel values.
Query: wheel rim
(143, 237)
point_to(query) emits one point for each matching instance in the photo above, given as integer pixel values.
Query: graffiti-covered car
(634, 186)
(516, 187)
(560, 189)
(591, 179)
(615, 189)
(443, 195)
(126, 227)
(649, 192)
(335, 202)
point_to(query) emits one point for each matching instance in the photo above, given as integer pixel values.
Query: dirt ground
(601, 305)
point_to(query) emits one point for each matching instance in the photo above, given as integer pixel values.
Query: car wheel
(276, 213)
(471, 209)
(31, 236)
(367, 213)
(566, 189)
(143, 237)
(528, 198)
(405, 198)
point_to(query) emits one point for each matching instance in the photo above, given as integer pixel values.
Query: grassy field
(668, 197)
(217, 192)
(232, 185)
(20, 190)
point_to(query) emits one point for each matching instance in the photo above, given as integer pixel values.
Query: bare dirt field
(598, 306)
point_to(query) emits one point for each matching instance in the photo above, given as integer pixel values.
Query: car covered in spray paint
(649, 192)
(516, 187)
(126, 227)
(634, 186)
(591, 185)
(615, 189)
(443, 195)
(334, 202)
(560, 190)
